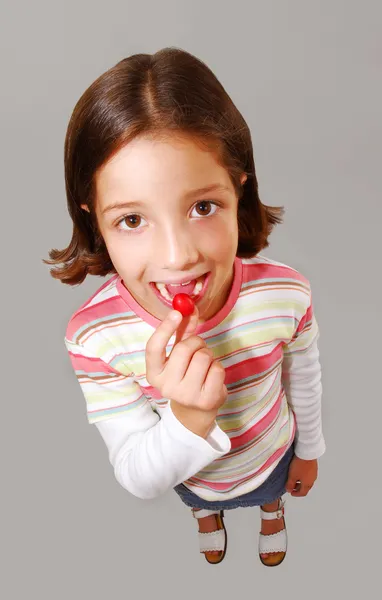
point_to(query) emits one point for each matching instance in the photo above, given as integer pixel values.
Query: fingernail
(175, 316)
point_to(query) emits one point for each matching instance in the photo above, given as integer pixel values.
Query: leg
(269, 527)
(210, 524)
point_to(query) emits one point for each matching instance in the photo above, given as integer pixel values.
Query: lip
(195, 298)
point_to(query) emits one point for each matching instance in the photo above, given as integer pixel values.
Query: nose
(178, 249)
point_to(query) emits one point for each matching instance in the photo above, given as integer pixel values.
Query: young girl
(224, 406)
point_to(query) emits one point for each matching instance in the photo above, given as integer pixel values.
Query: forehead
(146, 165)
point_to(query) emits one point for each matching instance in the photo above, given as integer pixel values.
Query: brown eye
(205, 207)
(132, 221)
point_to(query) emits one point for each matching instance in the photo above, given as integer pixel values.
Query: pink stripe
(305, 319)
(106, 308)
(84, 363)
(266, 271)
(224, 486)
(259, 427)
(252, 366)
(153, 392)
(100, 289)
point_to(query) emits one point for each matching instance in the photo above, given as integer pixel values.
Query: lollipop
(184, 304)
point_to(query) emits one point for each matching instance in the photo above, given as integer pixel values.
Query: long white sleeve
(154, 455)
(301, 376)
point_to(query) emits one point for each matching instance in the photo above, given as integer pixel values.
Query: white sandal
(213, 541)
(274, 542)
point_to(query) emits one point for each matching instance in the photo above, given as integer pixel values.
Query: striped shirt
(266, 322)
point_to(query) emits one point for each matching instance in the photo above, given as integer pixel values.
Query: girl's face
(167, 211)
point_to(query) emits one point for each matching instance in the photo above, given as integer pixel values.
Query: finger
(156, 346)
(302, 491)
(180, 358)
(306, 489)
(297, 486)
(290, 485)
(214, 383)
(187, 326)
(299, 494)
(197, 371)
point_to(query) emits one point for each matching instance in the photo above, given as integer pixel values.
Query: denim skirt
(269, 491)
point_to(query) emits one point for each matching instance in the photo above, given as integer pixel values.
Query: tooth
(198, 287)
(162, 290)
(165, 294)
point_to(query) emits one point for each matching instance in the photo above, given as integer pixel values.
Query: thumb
(187, 326)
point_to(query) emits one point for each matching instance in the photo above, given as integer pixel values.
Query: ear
(85, 207)
(243, 179)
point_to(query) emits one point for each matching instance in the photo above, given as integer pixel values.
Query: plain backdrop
(307, 77)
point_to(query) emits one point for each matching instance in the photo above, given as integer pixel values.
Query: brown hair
(169, 91)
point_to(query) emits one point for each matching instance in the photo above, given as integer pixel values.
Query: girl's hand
(305, 471)
(190, 377)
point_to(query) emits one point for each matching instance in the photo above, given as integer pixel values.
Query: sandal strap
(200, 514)
(270, 516)
(212, 541)
(274, 542)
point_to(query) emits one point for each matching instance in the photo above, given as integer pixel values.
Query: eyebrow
(214, 187)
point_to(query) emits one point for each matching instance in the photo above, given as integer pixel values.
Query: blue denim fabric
(272, 489)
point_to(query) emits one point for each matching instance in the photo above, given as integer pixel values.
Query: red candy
(184, 304)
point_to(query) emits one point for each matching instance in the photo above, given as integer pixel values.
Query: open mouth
(195, 289)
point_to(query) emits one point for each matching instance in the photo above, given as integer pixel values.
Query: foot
(207, 525)
(269, 527)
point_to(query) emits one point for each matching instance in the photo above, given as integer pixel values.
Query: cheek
(128, 257)
(222, 238)
(114, 247)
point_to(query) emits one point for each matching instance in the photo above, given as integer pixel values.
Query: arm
(301, 375)
(154, 455)
(149, 454)
(302, 383)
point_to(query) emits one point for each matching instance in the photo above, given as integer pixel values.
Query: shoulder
(96, 312)
(263, 274)
(261, 267)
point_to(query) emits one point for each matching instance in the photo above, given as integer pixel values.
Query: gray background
(307, 77)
